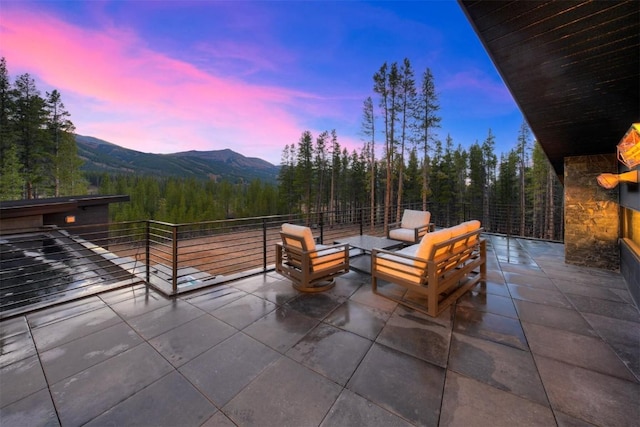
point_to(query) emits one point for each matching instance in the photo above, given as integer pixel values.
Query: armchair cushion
(326, 257)
(415, 219)
(403, 234)
(299, 231)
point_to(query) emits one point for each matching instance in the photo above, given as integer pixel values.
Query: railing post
(264, 244)
(147, 251)
(360, 220)
(321, 221)
(174, 284)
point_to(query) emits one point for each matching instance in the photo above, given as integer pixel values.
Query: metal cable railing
(51, 265)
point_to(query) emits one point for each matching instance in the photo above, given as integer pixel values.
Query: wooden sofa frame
(459, 266)
(310, 270)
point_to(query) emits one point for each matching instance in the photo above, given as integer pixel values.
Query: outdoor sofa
(441, 268)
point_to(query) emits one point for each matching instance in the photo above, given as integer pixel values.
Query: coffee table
(366, 244)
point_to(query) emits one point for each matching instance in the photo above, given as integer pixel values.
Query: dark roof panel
(572, 67)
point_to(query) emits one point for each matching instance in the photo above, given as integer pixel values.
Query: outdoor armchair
(310, 267)
(414, 225)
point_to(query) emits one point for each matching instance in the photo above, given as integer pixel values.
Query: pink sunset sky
(169, 76)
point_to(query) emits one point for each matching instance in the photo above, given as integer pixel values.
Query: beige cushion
(300, 231)
(327, 258)
(456, 231)
(472, 225)
(415, 219)
(401, 267)
(404, 234)
(429, 240)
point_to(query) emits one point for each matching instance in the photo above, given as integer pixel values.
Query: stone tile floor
(542, 343)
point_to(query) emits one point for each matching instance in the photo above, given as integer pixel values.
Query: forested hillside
(219, 165)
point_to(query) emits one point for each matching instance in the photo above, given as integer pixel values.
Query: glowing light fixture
(69, 219)
(629, 147)
(628, 155)
(611, 180)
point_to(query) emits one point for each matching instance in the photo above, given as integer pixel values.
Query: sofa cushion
(402, 267)
(300, 231)
(456, 231)
(472, 225)
(415, 219)
(425, 248)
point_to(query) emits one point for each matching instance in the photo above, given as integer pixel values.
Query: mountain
(101, 156)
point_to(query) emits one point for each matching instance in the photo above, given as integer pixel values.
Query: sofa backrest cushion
(299, 231)
(472, 225)
(415, 219)
(429, 240)
(458, 230)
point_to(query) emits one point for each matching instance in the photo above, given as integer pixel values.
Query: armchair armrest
(331, 248)
(409, 235)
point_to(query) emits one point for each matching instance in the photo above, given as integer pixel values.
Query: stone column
(592, 213)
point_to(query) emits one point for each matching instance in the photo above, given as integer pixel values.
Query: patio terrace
(542, 343)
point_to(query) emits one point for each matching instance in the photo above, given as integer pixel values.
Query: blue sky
(169, 76)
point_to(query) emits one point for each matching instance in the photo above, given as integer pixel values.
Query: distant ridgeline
(104, 157)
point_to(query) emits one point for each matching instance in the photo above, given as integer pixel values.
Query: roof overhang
(573, 68)
(21, 208)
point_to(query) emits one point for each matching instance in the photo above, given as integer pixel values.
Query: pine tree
(11, 182)
(369, 131)
(413, 181)
(381, 87)
(477, 181)
(489, 161)
(63, 152)
(460, 170)
(304, 169)
(7, 109)
(335, 161)
(387, 85)
(507, 188)
(320, 165)
(406, 107)
(30, 118)
(286, 178)
(523, 145)
(427, 119)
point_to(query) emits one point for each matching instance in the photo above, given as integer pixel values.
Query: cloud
(119, 89)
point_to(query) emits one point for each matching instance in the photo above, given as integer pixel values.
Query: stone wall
(592, 218)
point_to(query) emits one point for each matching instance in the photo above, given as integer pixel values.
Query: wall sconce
(611, 180)
(629, 147)
(69, 219)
